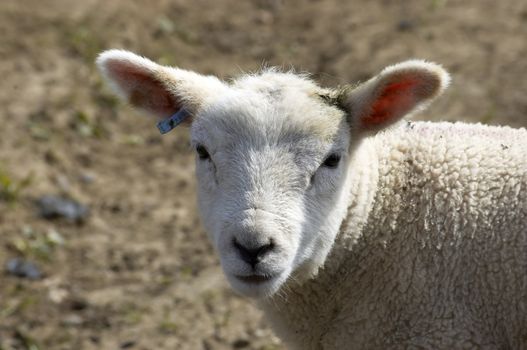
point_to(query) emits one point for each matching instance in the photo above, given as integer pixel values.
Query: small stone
(57, 295)
(72, 320)
(78, 304)
(87, 178)
(53, 207)
(95, 339)
(63, 183)
(127, 344)
(405, 25)
(259, 333)
(240, 344)
(23, 269)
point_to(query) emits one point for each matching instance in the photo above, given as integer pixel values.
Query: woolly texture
(433, 253)
(354, 230)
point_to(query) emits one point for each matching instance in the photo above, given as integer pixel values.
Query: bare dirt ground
(139, 272)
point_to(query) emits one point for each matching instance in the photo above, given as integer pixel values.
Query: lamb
(351, 227)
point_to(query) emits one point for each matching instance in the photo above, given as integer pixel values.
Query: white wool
(433, 255)
(351, 228)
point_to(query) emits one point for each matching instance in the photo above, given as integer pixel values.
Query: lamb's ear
(397, 91)
(157, 89)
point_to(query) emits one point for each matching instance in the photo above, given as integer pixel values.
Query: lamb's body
(350, 237)
(441, 260)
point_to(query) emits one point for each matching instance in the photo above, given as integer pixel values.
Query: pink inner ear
(396, 99)
(143, 89)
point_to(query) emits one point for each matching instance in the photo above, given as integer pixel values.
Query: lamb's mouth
(255, 279)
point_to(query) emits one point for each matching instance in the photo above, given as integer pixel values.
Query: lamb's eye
(332, 161)
(202, 152)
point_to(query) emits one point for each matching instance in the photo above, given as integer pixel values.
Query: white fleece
(350, 236)
(433, 253)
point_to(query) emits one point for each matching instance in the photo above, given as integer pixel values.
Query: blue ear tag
(168, 124)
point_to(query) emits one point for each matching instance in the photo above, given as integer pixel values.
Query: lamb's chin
(257, 287)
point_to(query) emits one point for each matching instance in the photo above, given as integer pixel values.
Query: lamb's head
(272, 155)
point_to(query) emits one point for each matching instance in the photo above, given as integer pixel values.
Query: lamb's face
(270, 163)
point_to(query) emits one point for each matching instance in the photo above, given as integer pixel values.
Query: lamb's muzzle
(252, 255)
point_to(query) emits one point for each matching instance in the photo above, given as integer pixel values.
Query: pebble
(52, 207)
(127, 344)
(78, 304)
(240, 344)
(72, 320)
(87, 178)
(405, 25)
(23, 269)
(57, 295)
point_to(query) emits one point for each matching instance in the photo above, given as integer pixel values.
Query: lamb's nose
(252, 255)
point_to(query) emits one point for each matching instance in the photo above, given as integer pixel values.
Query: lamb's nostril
(252, 255)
